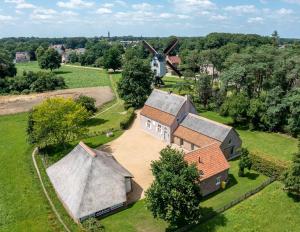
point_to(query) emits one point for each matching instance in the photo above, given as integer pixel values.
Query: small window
(159, 129)
(148, 124)
(181, 142)
(218, 180)
(232, 151)
(192, 146)
(229, 142)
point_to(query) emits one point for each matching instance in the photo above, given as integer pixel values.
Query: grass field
(74, 77)
(22, 205)
(270, 210)
(277, 145)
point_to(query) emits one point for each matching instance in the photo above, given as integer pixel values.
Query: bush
(267, 165)
(88, 103)
(92, 225)
(126, 122)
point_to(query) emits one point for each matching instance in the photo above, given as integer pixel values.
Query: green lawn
(23, 206)
(75, 77)
(277, 145)
(270, 210)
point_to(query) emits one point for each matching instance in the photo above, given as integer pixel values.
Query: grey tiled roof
(166, 102)
(206, 127)
(88, 181)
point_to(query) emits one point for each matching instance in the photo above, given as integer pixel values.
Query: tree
(292, 176)
(275, 38)
(204, 88)
(56, 121)
(88, 103)
(7, 67)
(292, 101)
(39, 52)
(112, 59)
(174, 195)
(49, 60)
(245, 161)
(135, 84)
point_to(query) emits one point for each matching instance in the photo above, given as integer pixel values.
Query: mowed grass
(75, 77)
(22, 205)
(276, 145)
(270, 210)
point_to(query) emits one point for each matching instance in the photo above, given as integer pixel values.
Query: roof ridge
(87, 149)
(166, 92)
(209, 120)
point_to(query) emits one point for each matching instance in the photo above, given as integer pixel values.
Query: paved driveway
(135, 149)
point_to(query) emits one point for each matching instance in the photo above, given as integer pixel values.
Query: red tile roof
(174, 59)
(157, 115)
(212, 160)
(194, 137)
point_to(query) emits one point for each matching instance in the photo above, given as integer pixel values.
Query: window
(218, 180)
(148, 124)
(232, 151)
(181, 142)
(192, 146)
(159, 129)
(229, 142)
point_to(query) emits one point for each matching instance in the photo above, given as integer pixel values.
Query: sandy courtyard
(21, 103)
(135, 149)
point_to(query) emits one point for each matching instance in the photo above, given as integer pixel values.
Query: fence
(230, 204)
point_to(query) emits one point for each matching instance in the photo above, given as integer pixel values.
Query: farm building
(90, 182)
(174, 119)
(22, 57)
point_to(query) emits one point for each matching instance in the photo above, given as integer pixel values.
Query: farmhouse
(22, 57)
(209, 144)
(90, 182)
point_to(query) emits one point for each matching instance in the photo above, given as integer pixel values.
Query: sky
(69, 18)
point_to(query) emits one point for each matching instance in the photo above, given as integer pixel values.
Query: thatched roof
(88, 180)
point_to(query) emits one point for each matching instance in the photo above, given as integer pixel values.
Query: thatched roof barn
(90, 182)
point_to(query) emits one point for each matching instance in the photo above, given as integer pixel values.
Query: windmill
(159, 61)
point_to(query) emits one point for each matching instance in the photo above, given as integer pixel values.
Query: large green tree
(174, 195)
(56, 121)
(7, 67)
(135, 84)
(204, 88)
(112, 59)
(245, 161)
(292, 176)
(50, 59)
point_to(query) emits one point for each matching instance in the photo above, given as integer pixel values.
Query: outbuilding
(89, 182)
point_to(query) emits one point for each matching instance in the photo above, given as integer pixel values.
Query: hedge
(126, 122)
(267, 165)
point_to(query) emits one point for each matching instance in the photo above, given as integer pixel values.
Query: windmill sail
(171, 46)
(174, 68)
(150, 48)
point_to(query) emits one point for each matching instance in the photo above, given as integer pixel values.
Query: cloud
(104, 10)
(73, 4)
(142, 6)
(21, 4)
(188, 6)
(255, 20)
(241, 9)
(121, 3)
(6, 18)
(43, 14)
(292, 1)
(218, 18)
(284, 11)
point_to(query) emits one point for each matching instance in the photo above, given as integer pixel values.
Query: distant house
(90, 182)
(22, 57)
(175, 61)
(59, 48)
(65, 55)
(209, 144)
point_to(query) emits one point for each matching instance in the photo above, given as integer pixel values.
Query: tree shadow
(95, 121)
(59, 72)
(135, 194)
(295, 197)
(251, 175)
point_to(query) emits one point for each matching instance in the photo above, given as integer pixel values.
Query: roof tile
(157, 115)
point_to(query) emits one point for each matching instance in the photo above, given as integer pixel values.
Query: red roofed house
(206, 143)
(175, 61)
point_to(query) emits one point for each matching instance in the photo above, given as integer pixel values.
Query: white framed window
(218, 180)
(158, 129)
(148, 124)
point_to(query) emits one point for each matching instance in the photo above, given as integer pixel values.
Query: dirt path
(135, 149)
(22, 103)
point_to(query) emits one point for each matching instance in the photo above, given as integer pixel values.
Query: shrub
(267, 165)
(92, 225)
(87, 102)
(126, 122)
